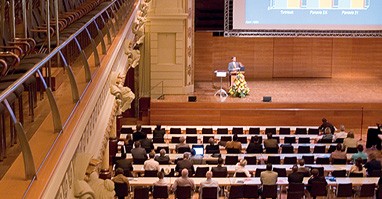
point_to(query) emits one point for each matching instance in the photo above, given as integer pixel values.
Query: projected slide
(308, 14)
(320, 4)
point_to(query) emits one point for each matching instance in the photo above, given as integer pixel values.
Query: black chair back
(280, 171)
(286, 148)
(319, 149)
(274, 159)
(183, 149)
(367, 190)
(233, 151)
(237, 130)
(209, 193)
(243, 140)
(332, 148)
(272, 150)
(127, 130)
(284, 131)
(175, 131)
(356, 175)
(222, 131)
(191, 131)
(231, 160)
(251, 160)
(303, 149)
(322, 160)
(251, 191)
(191, 139)
(147, 130)
(240, 174)
(351, 150)
(254, 131)
(150, 173)
(121, 189)
(300, 131)
(162, 147)
(138, 161)
(345, 190)
(304, 140)
(259, 137)
(201, 171)
(236, 192)
(207, 131)
(183, 192)
(226, 138)
(309, 159)
(258, 172)
(313, 131)
(318, 189)
(290, 160)
(296, 190)
(339, 173)
(175, 139)
(141, 193)
(270, 130)
(158, 140)
(320, 170)
(206, 138)
(219, 174)
(339, 140)
(339, 161)
(289, 140)
(160, 192)
(269, 191)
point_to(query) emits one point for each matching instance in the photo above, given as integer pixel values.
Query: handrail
(56, 50)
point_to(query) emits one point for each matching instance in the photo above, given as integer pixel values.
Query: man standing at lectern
(234, 66)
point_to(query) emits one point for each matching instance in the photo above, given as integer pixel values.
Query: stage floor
(294, 90)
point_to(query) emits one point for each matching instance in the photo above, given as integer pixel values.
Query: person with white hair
(209, 183)
(240, 168)
(342, 134)
(162, 158)
(183, 181)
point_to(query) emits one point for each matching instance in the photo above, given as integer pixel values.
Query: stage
(295, 101)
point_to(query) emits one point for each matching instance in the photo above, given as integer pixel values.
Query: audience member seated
(268, 177)
(349, 141)
(161, 181)
(338, 153)
(182, 144)
(185, 163)
(126, 165)
(234, 144)
(127, 144)
(342, 134)
(359, 154)
(327, 137)
(212, 148)
(151, 164)
(270, 143)
(196, 159)
(209, 183)
(147, 144)
(302, 168)
(240, 168)
(138, 152)
(372, 164)
(358, 167)
(159, 132)
(183, 181)
(255, 146)
(162, 158)
(138, 134)
(220, 169)
(121, 179)
(326, 124)
(295, 176)
(315, 178)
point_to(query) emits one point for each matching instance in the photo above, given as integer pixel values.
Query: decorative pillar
(169, 42)
(105, 171)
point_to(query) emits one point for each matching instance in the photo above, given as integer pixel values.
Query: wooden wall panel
(283, 57)
(289, 57)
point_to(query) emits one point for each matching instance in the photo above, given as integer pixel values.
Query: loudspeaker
(267, 99)
(191, 98)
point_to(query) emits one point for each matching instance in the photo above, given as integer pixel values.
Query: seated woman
(327, 137)
(240, 168)
(358, 167)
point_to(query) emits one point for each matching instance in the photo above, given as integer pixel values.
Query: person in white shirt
(162, 181)
(240, 168)
(342, 134)
(151, 164)
(209, 183)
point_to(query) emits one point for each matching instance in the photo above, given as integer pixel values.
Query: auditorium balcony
(64, 67)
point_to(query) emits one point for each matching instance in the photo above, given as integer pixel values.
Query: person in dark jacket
(295, 176)
(255, 146)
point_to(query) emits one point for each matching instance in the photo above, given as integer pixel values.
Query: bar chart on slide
(320, 4)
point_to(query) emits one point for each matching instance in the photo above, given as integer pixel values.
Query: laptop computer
(199, 149)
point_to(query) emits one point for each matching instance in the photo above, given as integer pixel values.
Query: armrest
(10, 55)
(4, 67)
(15, 48)
(21, 44)
(31, 41)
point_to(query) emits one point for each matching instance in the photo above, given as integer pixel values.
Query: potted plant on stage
(239, 88)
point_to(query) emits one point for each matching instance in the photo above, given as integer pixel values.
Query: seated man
(209, 183)
(268, 177)
(163, 158)
(183, 181)
(147, 144)
(220, 168)
(338, 153)
(212, 148)
(138, 152)
(161, 181)
(234, 145)
(151, 164)
(182, 144)
(185, 164)
(255, 146)
(295, 176)
(159, 132)
(271, 143)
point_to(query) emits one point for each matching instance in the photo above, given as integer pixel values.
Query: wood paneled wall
(289, 57)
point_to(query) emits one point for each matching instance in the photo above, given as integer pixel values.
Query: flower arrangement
(239, 87)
